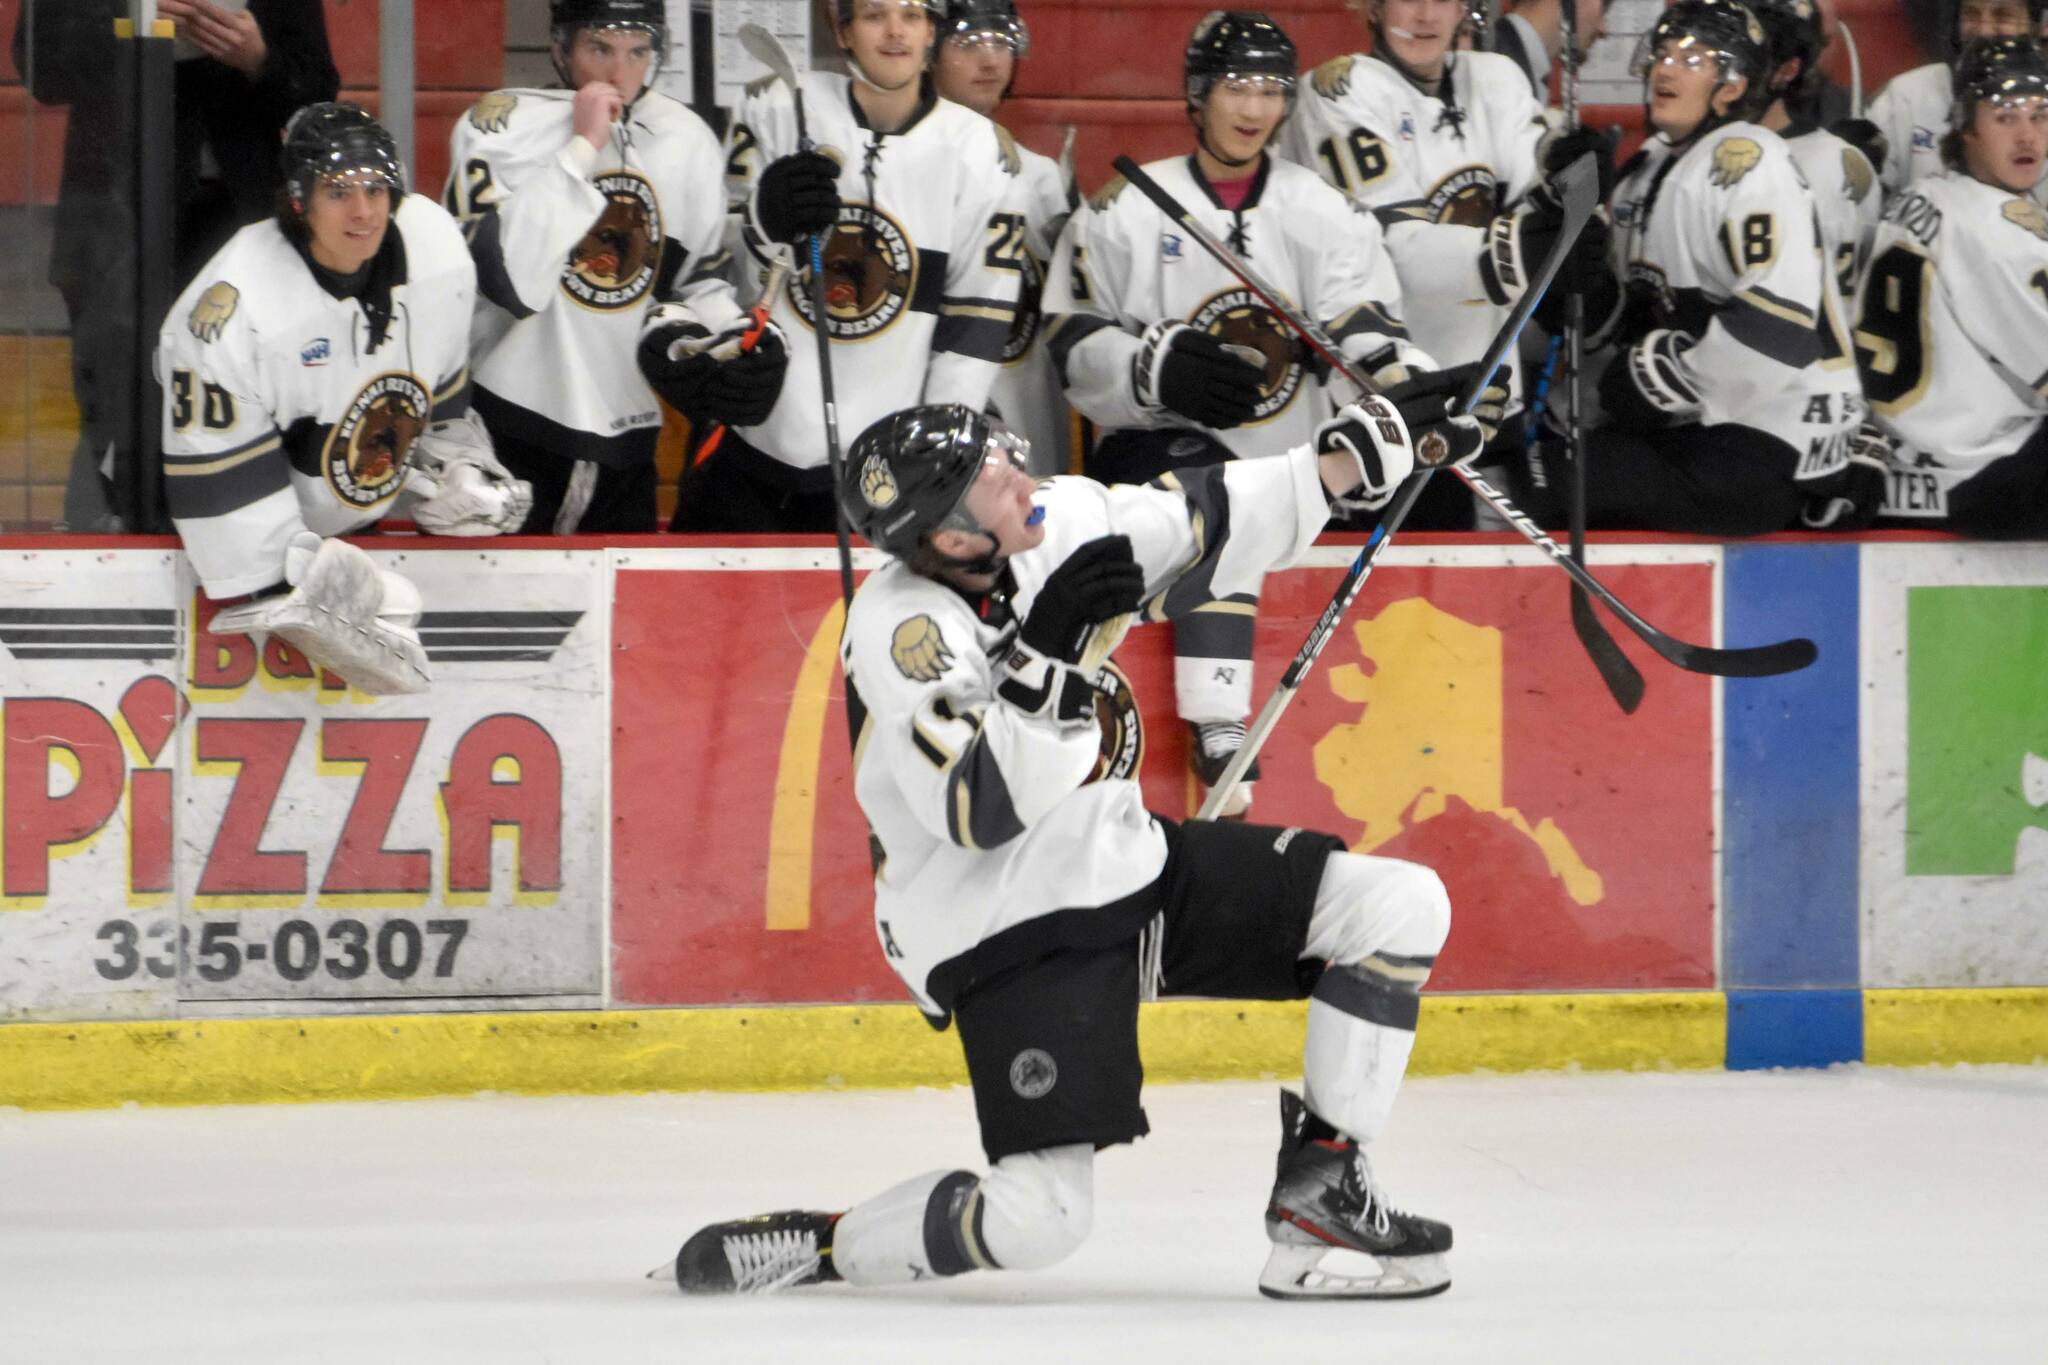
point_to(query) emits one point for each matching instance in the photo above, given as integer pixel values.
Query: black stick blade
(1756, 661)
(1624, 680)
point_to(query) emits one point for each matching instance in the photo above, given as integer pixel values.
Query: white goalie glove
(458, 485)
(344, 614)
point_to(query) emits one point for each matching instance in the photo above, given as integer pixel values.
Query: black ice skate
(1325, 1200)
(758, 1255)
(1211, 746)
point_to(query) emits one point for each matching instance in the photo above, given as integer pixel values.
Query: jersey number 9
(1891, 338)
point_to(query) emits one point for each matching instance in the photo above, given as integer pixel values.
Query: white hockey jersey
(923, 268)
(1027, 389)
(1123, 265)
(1913, 112)
(288, 409)
(573, 248)
(1436, 169)
(1722, 246)
(986, 817)
(1952, 339)
(1846, 195)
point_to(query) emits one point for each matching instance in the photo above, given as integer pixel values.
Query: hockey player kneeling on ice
(1182, 366)
(1730, 397)
(299, 371)
(1952, 339)
(1038, 906)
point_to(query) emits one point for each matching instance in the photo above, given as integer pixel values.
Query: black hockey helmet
(908, 474)
(1792, 30)
(1238, 42)
(2037, 10)
(999, 17)
(324, 140)
(567, 17)
(1998, 69)
(1725, 28)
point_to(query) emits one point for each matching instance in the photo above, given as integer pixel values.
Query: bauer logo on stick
(210, 315)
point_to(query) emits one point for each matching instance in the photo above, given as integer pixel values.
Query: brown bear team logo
(1241, 322)
(366, 451)
(870, 272)
(1120, 724)
(1464, 197)
(614, 266)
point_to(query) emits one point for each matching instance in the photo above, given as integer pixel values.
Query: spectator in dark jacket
(240, 74)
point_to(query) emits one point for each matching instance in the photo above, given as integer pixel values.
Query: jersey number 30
(216, 406)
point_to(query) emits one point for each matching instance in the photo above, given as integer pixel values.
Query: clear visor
(1005, 450)
(1687, 52)
(341, 184)
(1254, 83)
(1003, 36)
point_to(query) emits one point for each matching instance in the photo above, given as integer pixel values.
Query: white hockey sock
(1212, 689)
(1352, 1067)
(1032, 1210)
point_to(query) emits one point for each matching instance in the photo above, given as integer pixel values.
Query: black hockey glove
(1850, 498)
(1563, 148)
(797, 197)
(1441, 438)
(712, 377)
(1586, 272)
(1076, 619)
(1516, 244)
(1191, 373)
(1867, 138)
(1647, 387)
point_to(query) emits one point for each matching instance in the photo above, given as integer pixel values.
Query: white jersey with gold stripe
(1436, 168)
(922, 270)
(1952, 336)
(1123, 265)
(574, 246)
(987, 818)
(1720, 243)
(289, 409)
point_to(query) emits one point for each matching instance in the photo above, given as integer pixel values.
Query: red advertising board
(1453, 720)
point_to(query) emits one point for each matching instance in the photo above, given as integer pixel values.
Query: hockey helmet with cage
(1730, 31)
(1997, 70)
(1234, 43)
(907, 477)
(323, 141)
(996, 17)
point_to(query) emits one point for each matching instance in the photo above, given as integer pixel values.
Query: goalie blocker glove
(714, 376)
(1093, 592)
(1183, 370)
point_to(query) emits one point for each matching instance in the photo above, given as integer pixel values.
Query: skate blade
(1295, 1272)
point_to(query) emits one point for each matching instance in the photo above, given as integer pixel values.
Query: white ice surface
(1853, 1215)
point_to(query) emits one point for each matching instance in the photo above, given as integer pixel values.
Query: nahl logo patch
(365, 456)
(315, 352)
(615, 264)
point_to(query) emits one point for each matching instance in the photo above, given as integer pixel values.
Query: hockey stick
(1855, 70)
(1578, 187)
(767, 49)
(1624, 680)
